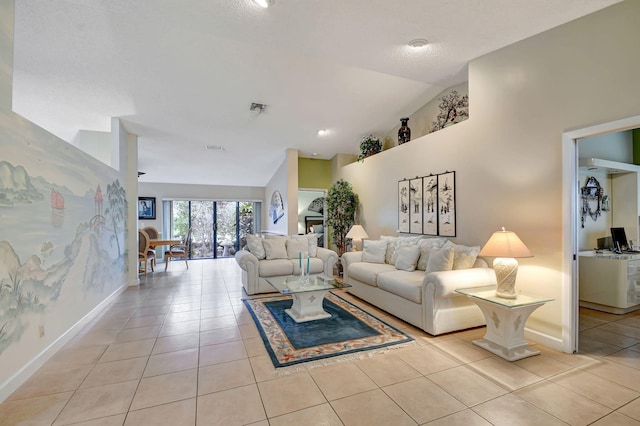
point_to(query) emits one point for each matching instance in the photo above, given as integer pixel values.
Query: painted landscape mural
(62, 230)
(56, 246)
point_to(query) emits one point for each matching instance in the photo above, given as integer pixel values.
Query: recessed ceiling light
(418, 42)
(263, 3)
(322, 132)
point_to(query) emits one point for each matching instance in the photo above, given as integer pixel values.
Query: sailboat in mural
(57, 202)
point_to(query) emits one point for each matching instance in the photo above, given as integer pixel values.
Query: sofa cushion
(394, 243)
(407, 258)
(316, 266)
(391, 248)
(374, 251)
(275, 248)
(463, 256)
(367, 273)
(275, 268)
(407, 285)
(254, 243)
(426, 244)
(312, 240)
(440, 259)
(297, 248)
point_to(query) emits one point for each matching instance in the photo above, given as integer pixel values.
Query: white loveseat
(424, 298)
(275, 256)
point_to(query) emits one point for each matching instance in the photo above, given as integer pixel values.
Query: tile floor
(182, 350)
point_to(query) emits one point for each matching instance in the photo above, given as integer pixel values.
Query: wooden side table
(506, 319)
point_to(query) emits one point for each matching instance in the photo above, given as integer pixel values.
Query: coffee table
(506, 319)
(307, 293)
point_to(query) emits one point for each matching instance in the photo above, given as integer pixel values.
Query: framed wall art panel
(447, 204)
(415, 206)
(146, 208)
(430, 205)
(403, 206)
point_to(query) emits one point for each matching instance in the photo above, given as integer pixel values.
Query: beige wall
(508, 155)
(285, 180)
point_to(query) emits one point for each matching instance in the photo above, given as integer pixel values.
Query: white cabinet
(609, 283)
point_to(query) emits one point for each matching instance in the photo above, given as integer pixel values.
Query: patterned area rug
(349, 330)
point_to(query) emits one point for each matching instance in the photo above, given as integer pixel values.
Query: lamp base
(506, 271)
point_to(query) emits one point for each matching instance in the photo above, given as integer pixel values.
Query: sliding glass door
(218, 228)
(202, 231)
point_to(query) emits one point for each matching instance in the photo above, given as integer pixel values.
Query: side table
(505, 319)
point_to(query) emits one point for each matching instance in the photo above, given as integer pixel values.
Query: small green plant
(368, 146)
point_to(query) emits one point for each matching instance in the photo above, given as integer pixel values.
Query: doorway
(218, 228)
(571, 220)
(311, 214)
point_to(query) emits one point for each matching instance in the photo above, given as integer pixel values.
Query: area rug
(350, 330)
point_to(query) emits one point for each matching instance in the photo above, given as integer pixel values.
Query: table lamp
(505, 246)
(356, 233)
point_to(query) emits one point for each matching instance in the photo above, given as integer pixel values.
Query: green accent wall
(636, 146)
(314, 173)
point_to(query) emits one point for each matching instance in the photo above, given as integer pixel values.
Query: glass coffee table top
(488, 293)
(295, 284)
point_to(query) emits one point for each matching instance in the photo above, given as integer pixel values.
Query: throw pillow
(426, 244)
(391, 248)
(312, 241)
(297, 247)
(407, 257)
(440, 259)
(404, 242)
(275, 248)
(373, 251)
(254, 242)
(463, 256)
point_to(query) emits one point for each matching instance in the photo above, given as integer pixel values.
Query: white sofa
(256, 265)
(427, 300)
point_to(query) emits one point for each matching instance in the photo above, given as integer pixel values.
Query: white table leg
(505, 330)
(307, 306)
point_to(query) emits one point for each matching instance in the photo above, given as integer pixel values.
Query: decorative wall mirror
(592, 195)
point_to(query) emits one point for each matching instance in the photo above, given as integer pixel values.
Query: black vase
(404, 132)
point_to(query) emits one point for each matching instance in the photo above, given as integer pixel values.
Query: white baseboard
(544, 339)
(22, 375)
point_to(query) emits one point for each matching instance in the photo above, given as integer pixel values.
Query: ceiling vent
(260, 108)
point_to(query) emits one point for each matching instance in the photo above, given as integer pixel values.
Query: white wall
(508, 155)
(96, 144)
(64, 264)
(616, 146)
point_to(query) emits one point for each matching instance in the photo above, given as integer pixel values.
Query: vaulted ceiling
(182, 74)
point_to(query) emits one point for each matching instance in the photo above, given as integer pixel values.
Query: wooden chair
(145, 254)
(178, 251)
(154, 235)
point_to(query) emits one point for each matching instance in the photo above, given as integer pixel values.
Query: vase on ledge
(404, 132)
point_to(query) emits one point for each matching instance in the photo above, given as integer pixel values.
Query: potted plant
(368, 146)
(342, 203)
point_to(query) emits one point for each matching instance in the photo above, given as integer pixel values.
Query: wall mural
(63, 238)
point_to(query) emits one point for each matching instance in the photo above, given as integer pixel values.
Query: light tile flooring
(182, 350)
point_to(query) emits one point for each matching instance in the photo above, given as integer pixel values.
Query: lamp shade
(505, 244)
(357, 232)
